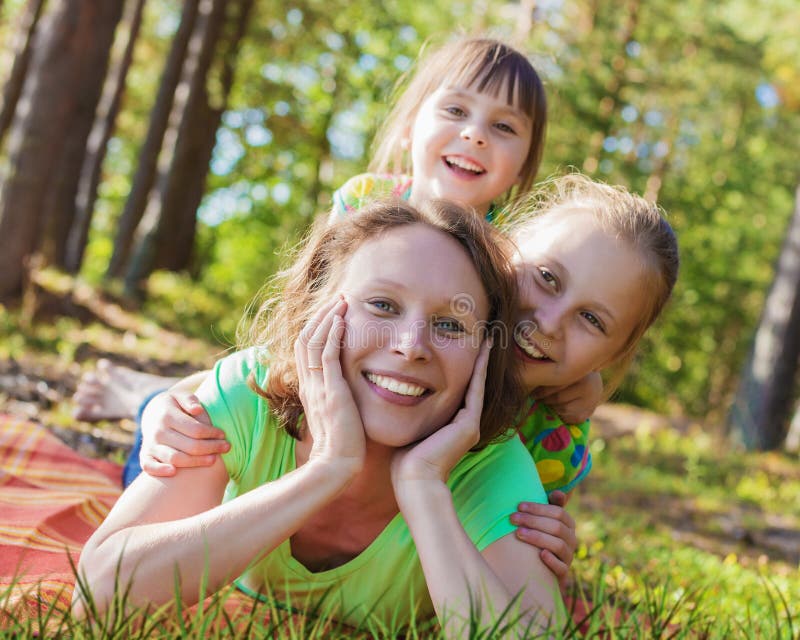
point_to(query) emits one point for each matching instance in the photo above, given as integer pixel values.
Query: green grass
(657, 612)
(681, 534)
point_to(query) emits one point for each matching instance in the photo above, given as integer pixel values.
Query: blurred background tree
(237, 119)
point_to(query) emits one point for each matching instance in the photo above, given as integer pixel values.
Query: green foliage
(691, 103)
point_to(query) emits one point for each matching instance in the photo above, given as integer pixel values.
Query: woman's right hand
(178, 433)
(331, 415)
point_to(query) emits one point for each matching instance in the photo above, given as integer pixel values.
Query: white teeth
(464, 164)
(402, 388)
(527, 347)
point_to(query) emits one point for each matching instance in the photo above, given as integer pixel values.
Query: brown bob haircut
(483, 64)
(317, 267)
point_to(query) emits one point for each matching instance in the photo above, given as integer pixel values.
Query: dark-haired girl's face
(468, 147)
(415, 318)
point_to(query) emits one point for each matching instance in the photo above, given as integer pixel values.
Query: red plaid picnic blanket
(51, 500)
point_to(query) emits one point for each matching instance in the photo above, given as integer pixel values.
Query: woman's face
(582, 293)
(415, 317)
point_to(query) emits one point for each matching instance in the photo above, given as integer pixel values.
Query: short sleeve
(560, 451)
(360, 189)
(351, 195)
(232, 405)
(488, 486)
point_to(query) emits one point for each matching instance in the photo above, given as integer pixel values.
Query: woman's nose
(412, 341)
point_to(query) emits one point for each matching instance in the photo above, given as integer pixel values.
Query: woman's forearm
(211, 547)
(462, 584)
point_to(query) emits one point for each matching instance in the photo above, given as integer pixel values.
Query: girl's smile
(469, 147)
(581, 293)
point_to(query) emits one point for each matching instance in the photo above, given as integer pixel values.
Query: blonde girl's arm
(462, 581)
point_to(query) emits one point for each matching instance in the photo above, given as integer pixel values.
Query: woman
(379, 393)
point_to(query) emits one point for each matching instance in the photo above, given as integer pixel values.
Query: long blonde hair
(311, 278)
(623, 215)
(485, 64)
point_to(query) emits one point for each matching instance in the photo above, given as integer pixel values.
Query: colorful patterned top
(560, 451)
(358, 190)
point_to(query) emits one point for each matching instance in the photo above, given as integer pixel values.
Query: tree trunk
(793, 437)
(199, 56)
(196, 140)
(90, 51)
(167, 232)
(98, 139)
(60, 95)
(148, 156)
(762, 405)
(23, 48)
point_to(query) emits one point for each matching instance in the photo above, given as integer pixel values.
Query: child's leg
(132, 466)
(112, 392)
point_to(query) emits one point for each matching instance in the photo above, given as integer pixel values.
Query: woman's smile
(397, 389)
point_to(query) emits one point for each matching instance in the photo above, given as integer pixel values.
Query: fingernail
(515, 518)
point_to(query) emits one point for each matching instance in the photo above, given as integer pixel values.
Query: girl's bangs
(495, 75)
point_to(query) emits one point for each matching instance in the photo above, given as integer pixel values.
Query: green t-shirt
(386, 579)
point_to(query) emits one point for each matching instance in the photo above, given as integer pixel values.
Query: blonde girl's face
(467, 147)
(582, 294)
(416, 309)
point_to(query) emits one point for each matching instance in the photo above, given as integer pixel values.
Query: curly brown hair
(300, 289)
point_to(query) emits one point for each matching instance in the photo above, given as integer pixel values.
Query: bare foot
(112, 392)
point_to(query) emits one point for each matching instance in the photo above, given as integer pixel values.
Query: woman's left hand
(434, 457)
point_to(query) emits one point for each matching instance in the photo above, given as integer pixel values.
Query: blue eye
(383, 306)
(450, 325)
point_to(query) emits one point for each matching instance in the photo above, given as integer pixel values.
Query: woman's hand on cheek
(433, 458)
(331, 414)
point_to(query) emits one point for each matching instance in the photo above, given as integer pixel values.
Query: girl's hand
(576, 402)
(434, 457)
(330, 411)
(552, 529)
(179, 434)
